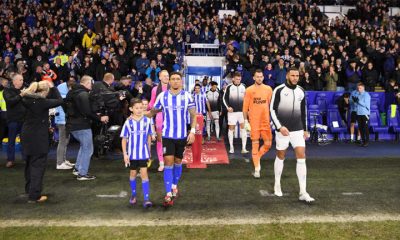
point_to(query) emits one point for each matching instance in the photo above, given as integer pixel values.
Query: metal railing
(204, 49)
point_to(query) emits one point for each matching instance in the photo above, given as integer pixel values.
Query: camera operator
(79, 119)
(106, 101)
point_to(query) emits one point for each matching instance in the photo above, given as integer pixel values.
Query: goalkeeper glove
(247, 125)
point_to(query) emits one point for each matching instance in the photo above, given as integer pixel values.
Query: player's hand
(190, 138)
(230, 109)
(247, 125)
(126, 159)
(153, 138)
(306, 135)
(210, 115)
(284, 131)
(159, 137)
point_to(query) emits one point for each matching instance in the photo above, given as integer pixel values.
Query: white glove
(247, 125)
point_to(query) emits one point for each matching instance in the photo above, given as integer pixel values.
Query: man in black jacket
(15, 115)
(79, 120)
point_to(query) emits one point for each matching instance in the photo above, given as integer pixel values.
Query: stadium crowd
(124, 46)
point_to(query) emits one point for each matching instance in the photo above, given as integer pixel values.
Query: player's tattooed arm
(152, 112)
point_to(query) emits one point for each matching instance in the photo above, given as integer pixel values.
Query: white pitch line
(352, 193)
(253, 220)
(122, 194)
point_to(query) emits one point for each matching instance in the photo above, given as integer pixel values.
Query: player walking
(174, 104)
(256, 111)
(288, 112)
(233, 101)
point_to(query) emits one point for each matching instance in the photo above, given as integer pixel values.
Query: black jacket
(104, 98)
(15, 108)
(83, 114)
(35, 130)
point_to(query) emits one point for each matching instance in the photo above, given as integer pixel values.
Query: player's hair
(293, 69)
(213, 83)
(360, 84)
(175, 73)
(237, 74)
(135, 101)
(145, 100)
(197, 85)
(257, 71)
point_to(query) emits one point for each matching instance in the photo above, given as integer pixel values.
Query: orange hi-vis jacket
(256, 104)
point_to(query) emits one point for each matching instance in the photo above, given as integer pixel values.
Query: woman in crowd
(38, 99)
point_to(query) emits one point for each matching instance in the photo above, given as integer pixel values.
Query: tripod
(316, 136)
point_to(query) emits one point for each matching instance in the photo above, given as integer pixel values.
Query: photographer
(79, 120)
(106, 101)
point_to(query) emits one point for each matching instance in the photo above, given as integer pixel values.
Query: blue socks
(146, 189)
(177, 173)
(168, 178)
(132, 182)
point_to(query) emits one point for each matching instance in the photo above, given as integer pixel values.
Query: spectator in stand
(280, 70)
(142, 64)
(88, 38)
(152, 71)
(269, 76)
(369, 77)
(331, 79)
(392, 86)
(48, 74)
(353, 74)
(306, 82)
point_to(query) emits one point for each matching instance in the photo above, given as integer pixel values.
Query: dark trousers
(363, 125)
(223, 118)
(34, 171)
(14, 128)
(3, 125)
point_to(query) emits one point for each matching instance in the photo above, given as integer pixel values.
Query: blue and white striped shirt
(175, 109)
(200, 101)
(137, 133)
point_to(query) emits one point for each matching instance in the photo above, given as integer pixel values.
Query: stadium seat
(394, 123)
(333, 115)
(336, 97)
(376, 125)
(322, 104)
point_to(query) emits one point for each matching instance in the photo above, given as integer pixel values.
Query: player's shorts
(137, 164)
(174, 147)
(295, 138)
(214, 114)
(264, 134)
(353, 117)
(235, 117)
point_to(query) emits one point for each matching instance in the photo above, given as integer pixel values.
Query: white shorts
(214, 114)
(295, 138)
(235, 117)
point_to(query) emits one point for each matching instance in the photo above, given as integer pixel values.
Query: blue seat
(333, 115)
(376, 125)
(336, 97)
(322, 104)
(394, 123)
